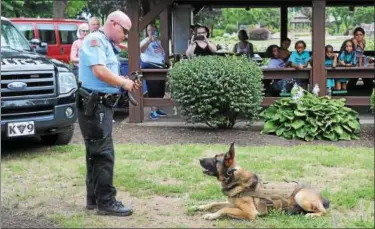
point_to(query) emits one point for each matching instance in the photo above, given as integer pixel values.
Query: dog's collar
(229, 173)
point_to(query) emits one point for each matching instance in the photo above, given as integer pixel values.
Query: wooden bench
(350, 72)
(286, 73)
(156, 74)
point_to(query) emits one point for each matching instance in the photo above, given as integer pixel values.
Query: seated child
(278, 61)
(330, 61)
(347, 58)
(300, 59)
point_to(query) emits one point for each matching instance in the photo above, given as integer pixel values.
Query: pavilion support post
(182, 19)
(318, 43)
(164, 30)
(135, 112)
(284, 23)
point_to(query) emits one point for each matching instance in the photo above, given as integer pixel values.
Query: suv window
(68, 33)
(47, 33)
(27, 30)
(12, 38)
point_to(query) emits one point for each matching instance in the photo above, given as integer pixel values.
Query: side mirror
(35, 42)
(39, 47)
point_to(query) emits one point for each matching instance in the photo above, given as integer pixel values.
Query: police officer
(99, 90)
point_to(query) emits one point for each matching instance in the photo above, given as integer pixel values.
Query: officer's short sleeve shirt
(96, 49)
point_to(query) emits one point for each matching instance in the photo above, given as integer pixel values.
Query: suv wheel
(62, 138)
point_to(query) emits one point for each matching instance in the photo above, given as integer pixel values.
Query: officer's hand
(137, 85)
(129, 85)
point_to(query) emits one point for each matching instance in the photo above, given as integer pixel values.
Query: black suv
(37, 93)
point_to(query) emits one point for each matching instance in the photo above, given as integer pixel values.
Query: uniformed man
(98, 93)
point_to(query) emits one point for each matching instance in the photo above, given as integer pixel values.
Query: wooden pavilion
(176, 17)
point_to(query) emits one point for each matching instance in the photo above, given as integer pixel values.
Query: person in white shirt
(153, 56)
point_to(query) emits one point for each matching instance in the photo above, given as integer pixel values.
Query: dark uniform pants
(97, 134)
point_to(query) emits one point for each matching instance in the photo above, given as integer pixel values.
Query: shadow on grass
(20, 146)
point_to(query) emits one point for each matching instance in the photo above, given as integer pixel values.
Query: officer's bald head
(117, 26)
(121, 18)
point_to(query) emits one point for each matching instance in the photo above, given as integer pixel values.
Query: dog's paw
(198, 208)
(210, 216)
(194, 208)
(311, 215)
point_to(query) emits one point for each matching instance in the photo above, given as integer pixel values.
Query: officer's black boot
(90, 202)
(115, 209)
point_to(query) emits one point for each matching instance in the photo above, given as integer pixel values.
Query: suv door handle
(62, 50)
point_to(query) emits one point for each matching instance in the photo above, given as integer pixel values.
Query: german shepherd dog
(247, 196)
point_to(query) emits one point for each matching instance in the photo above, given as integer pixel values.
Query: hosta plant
(217, 90)
(311, 118)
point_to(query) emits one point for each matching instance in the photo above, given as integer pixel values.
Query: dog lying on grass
(248, 197)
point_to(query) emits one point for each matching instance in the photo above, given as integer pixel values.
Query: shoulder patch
(94, 43)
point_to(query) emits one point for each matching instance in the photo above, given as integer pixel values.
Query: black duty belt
(109, 100)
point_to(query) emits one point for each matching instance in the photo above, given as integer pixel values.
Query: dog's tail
(326, 203)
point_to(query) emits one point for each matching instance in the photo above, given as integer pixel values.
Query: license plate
(21, 129)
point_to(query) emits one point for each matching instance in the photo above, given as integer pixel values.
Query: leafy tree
(364, 15)
(336, 14)
(208, 17)
(102, 8)
(75, 7)
(42, 8)
(341, 15)
(11, 8)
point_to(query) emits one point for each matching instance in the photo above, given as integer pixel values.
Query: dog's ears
(229, 156)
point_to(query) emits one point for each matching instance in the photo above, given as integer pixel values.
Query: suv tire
(62, 138)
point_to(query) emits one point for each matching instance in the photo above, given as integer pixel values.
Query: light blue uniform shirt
(97, 49)
(297, 58)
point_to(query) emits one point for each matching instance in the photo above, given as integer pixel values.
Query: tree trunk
(337, 27)
(59, 7)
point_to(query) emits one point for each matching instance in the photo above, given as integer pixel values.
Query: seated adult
(200, 45)
(153, 56)
(243, 46)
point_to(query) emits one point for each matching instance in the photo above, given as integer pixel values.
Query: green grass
(345, 175)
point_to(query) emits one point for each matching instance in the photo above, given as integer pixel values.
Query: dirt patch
(154, 211)
(157, 211)
(17, 219)
(131, 133)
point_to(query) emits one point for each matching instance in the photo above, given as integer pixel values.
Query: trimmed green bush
(216, 90)
(312, 118)
(124, 54)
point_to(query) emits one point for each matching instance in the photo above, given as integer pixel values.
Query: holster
(90, 101)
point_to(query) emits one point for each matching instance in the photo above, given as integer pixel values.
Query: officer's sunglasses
(123, 29)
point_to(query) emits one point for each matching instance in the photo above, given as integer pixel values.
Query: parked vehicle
(37, 93)
(59, 34)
